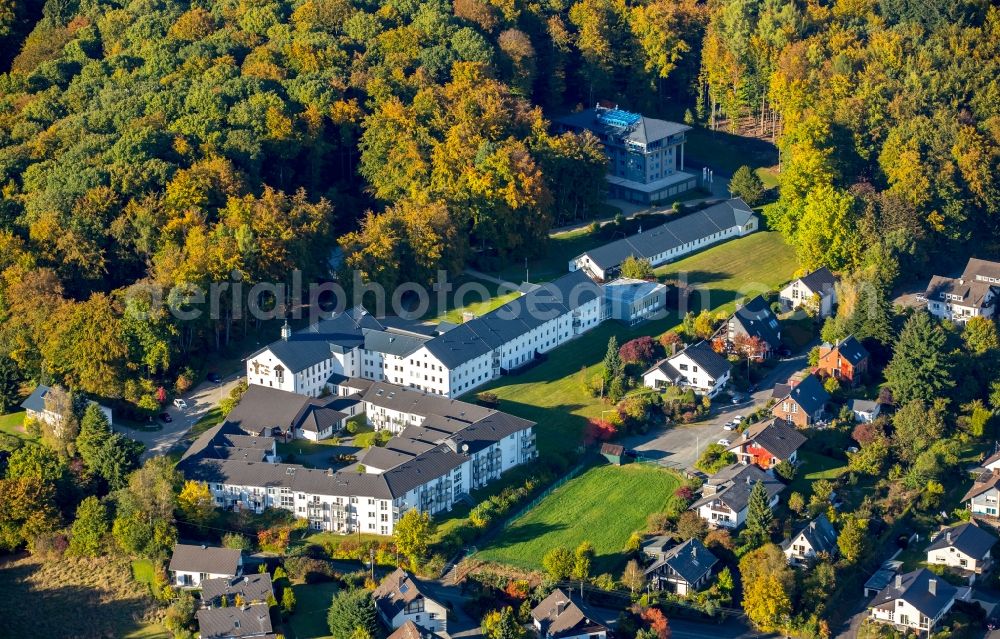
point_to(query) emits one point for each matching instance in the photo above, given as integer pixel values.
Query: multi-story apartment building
(443, 360)
(645, 155)
(974, 294)
(442, 449)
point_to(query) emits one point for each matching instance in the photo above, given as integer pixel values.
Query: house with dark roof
(402, 598)
(982, 498)
(655, 548)
(685, 568)
(697, 367)
(271, 412)
(974, 294)
(915, 601)
(235, 622)
(815, 291)
(805, 403)
(725, 496)
(966, 547)
(814, 539)
(410, 630)
(246, 589)
(752, 320)
(846, 361)
(36, 407)
(769, 443)
(672, 240)
(565, 616)
(190, 565)
(645, 155)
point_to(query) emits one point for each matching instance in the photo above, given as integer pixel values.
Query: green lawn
(309, 619)
(561, 249)
(553, 394)
(604, 506)
(476, 308)
(12, 424)
(814, 466)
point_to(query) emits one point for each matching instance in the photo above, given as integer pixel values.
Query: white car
(738, 419)
(728, 426)
(723, 442)
(180, 403)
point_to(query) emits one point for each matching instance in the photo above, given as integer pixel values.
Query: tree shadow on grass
(523, 533)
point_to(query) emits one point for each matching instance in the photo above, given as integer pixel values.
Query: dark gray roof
(852, 350)
(35, 402)
(393, 342)
(483, 334)
(819, 534)
(411, 400)
(862, 405)
(819, 281)
(781, 391)
(670, 235)
(397, 590)
(208, 559)
(711, 362)
(315, 343)
(809, 394)
(561, 614)
(690, 560)
(644, 130)
(972, 293)
(757, 320)
(253, 588)
(914, 589)
(246, 621)
(227, 441)
(967, 538)
(978, 268)
(983, 483)
(263, 408)
(775, 436)
(732, 486)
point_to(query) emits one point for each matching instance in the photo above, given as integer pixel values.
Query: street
(200, 401)
(679, 446)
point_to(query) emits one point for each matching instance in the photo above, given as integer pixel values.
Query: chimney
(899, 581)
(947, 536)
(932, 587)
(286, 331)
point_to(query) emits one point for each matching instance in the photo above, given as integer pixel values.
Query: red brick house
(804, 404)
(768, 443)
(845, 361)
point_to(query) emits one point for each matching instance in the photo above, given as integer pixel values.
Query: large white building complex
(446, 359)
(441, 449)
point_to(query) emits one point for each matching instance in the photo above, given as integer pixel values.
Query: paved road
(679, 446)
(731, 629)
(202, 399)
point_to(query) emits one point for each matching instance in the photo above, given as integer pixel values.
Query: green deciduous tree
(637, 268)
(10, 384)
(853, 540)
(502, 624)
(89, 528)
(558, 563)
(768, 588)
(413, 533)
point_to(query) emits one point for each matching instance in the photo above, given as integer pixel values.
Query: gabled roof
(984, 483)
(315, 343)
(691, 561)
(970, 293)
(757, 320)
(983, 270)
(914, 588)
(702, 354)
(775, 436)
(819, 281)
(809, 394)
(850, 349)
(819, 534)
(36, 401)
(253, 588)
(397, 590)
(966, 538)
(262, 408)
(246, 621)
(561, 614)
(992, 459)
(781, 391)
(208, 559)
(410, 630)
(863, 405)
(732, 486)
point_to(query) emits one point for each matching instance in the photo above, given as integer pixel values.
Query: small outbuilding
(614, 453)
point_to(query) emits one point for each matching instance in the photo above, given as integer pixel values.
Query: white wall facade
(955, 558)
(265, 369)
(901, 613)
(798, 294)
(955, 311)
(696, 377)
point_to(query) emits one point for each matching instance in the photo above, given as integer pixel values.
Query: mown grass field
(604, 506)
(74, 597)
(13, 424)
(553, 394)
(309, 619)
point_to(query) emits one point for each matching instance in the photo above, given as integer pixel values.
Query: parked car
(180, 404)
(728, 426)
(738, 419)
(166, 418)
(723, 442)
(739, 398)
(215, 378)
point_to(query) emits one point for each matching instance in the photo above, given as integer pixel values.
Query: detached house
(191, 565)
(235, 622)
(804, 404)
(697, 367)
(753, 320)
(767, 444)
(683, 569)
(814, 290)
(562, 616)
(819, 536)
(845, 361)
(915, 601)
(974, 294)
(982, 498)
(966, 547)
(255, 588)
(726, 495)
(401, 598)
(865, 410)
(37, 407)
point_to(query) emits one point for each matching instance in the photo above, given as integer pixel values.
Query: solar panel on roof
(617, 117)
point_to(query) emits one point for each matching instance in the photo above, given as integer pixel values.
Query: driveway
(679, 446)
(200, 401)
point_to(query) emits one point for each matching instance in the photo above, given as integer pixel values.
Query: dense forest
(163, 143)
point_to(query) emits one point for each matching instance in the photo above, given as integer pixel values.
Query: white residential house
(697, 367)
(683, 569)
(725, 497)
(815, 290)
(565, 616)
(966, 547)
(401, 597)
(190, 565)
(974, 294)
(865, 410)
(37, 408)
(915, 601)
(818, 537)
(984, 496)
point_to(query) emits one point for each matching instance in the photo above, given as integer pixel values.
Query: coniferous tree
(759, 515)
(10, 384)
(921, 366)
(351, 611)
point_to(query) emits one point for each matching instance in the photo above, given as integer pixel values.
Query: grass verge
(309, 619)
